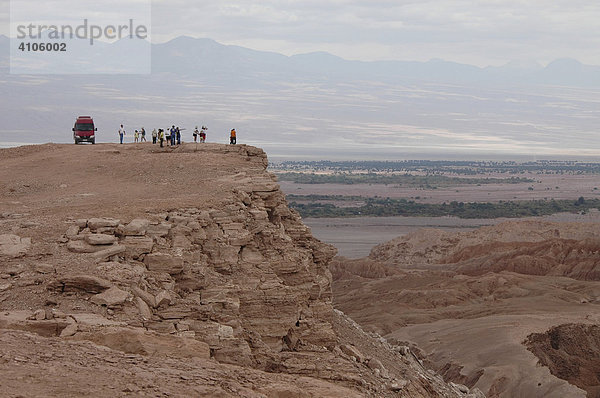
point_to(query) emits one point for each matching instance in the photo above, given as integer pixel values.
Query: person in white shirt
(121, 133)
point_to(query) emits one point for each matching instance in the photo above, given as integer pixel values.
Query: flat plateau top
(79, 180)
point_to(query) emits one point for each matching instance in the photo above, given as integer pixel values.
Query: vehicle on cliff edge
(84, 130)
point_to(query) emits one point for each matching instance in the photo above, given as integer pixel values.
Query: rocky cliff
(469, 300)
(185, 264)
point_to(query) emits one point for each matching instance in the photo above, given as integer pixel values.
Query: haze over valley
(320, 106)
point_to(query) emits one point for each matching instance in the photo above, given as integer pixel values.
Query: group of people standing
(137, 134)
(201, 135)
(172, 135)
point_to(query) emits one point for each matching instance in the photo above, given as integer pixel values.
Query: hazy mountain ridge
(318, 105)
(204, 58)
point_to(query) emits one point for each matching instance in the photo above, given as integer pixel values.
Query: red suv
(84, 130)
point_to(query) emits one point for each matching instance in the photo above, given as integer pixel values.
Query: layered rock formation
(430, 246)
(571, 353)
(468, 301)
(228, 284)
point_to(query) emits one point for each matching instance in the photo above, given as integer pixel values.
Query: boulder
(159, 262)
(69, 331)
(398, 385)
(233, 351)
(100, 239)
(145, 311)
(163, 298)
(106, 254)
(121, 273)
(352, 351)
(182, 242)
(79, 246)
(158, 230)
(111, 297)
(136, 227)
(137, 246)
(23, 320)
(72, 231)
(95, 223)
(5, 286)
(144, 295)
(38, 315)
(85, 283)
(14, 246)
(81, 223)
(376, 365)
(460, 387)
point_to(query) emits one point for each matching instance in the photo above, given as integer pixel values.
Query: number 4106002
(39, 47)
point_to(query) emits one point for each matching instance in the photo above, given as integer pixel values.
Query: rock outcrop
(13, 246)
(468, 300)
(429, 246)
(227, 277)
(570, 351)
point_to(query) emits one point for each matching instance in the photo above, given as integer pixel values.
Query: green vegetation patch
(386, 207)
(404, 180)
(443, 166)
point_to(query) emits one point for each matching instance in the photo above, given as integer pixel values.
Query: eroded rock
(136, 227)
(95, 223)
(137, 246)
(111, 297)
(80, 246)
(84, 283)
(160, 262)
(106, 254)
(14, 246)
(100, 239)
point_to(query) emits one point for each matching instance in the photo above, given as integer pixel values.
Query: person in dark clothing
(178, 136)
(173, 132)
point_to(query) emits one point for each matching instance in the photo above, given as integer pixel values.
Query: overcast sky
(491, 32)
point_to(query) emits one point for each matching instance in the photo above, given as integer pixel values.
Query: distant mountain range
(316, 104)
(207, 59)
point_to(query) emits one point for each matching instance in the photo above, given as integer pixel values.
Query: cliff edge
(136, 270)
